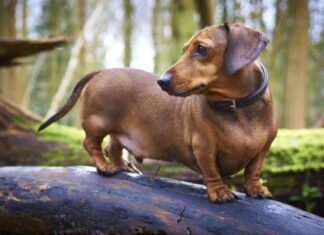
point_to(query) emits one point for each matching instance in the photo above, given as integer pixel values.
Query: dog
(212, 111)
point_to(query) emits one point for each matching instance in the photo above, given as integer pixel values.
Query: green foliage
(296, 150)
(307, 196)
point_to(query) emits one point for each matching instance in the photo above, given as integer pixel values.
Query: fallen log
(76, 200)
(21, 145)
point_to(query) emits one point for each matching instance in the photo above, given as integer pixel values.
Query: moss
(296, 150)
(65, 146)
(65, 134)
(292, 150)
(21, 122)
(280, 185)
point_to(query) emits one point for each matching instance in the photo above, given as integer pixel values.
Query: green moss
(296, 150)
(21, 122)
(65, 146)
(292, 150)
(281, 184)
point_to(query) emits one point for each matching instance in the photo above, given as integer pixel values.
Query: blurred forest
(149, 35)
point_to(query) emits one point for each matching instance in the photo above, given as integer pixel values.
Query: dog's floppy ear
(244, 45)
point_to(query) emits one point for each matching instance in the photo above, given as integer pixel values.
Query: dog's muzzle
(165, 81)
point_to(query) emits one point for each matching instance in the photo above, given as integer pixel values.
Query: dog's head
(215, 50)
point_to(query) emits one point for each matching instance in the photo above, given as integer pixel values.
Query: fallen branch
(76, 200)
(10, 49)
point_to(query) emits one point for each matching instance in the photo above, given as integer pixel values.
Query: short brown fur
(129, 105)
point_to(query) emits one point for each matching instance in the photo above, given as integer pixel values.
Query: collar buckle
(233, 105)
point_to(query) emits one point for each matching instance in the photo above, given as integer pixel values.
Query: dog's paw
(109, 169)
(257, 191)
(221, 194)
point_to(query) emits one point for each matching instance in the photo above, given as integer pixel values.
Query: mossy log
(20, 144)
(76, 200)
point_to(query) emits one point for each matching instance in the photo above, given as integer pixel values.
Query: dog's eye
(201, 50)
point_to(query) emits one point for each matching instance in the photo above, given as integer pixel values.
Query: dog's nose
(165, 80)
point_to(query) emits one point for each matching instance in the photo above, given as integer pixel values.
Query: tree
(76, 200)
(277, 51)
(295, 84)
(183, 26)
(206, 9)
(9, 83)
(161, 39)
(128, 28)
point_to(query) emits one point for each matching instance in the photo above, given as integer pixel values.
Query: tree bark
(275, 61)
(183, 26)
(76, 200)
(9, 86)
(128, 31)
(206, 9)
(24, 24)
(296, 67)
(161, 39)
(11, 49)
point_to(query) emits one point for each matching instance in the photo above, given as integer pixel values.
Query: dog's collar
(232, 105)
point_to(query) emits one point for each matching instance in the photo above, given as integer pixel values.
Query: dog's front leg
(253, 186)
(206, 160)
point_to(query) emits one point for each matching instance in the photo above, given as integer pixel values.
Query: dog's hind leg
(93, 146)
(114, 152)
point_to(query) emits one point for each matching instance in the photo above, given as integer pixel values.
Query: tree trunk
(295, 88)
(206, 9)
(183, 26)
(224, 11)
(24, 24)
(84, 64)
(275, 61)
(76, 200)
(128, 28)
(161, 39)
(157, 32)
(9, 84)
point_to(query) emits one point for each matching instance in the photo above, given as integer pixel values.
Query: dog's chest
(238, 146)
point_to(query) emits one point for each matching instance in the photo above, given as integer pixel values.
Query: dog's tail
(70, 102)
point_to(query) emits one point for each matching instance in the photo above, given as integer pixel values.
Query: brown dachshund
(216, 115)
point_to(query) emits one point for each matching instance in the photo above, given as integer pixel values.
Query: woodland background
(149, 35)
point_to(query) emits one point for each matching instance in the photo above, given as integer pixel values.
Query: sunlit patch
(133, 175)
(83, 169)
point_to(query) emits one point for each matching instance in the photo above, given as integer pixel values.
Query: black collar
(232, 105)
